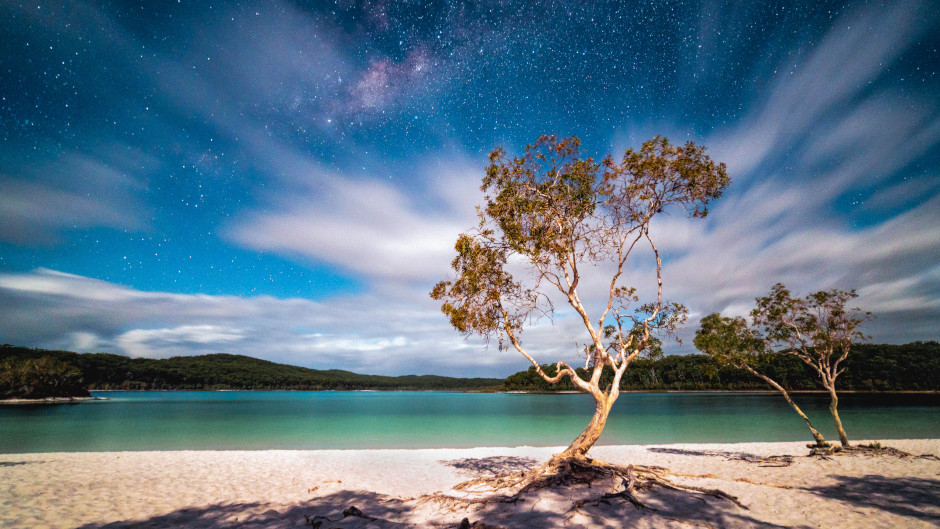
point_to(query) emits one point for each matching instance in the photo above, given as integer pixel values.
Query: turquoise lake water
(244, 420)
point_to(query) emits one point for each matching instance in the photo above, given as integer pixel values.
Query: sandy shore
(278, 488)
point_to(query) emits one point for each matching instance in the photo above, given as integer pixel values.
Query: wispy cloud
(818, 169)
(367, 333)
(74, 191)
(859, 49)
(375, 229)
(830, 184)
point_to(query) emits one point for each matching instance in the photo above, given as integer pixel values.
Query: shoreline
(49, 400)
(276, 488)
(527, 392)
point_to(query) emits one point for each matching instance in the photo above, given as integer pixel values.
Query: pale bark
(834, 410)
(583, 443)
(828, 377)
(820, 440)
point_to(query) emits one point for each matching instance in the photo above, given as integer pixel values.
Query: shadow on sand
(492, 466)
(274, 516)
(375, 511)
(17, 463)
(905, 496)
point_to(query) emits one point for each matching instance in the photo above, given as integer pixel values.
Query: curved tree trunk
(834, 410)
(580, 446)
(820, 440)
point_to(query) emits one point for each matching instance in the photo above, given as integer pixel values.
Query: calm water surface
(247, 420)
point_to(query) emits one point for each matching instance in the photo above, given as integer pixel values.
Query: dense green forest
(870, 367)
(37, 373)
(39, 378)
(218, 371)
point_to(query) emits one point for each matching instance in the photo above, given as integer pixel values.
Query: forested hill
(910, 367)
(869, 367)
(225, 371)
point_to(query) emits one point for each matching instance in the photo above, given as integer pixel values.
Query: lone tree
(552, 216)
(730, 341)
(818, 329)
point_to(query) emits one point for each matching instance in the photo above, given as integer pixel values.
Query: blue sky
(286, 179)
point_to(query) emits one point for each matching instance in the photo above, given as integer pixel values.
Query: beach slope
(775, 485)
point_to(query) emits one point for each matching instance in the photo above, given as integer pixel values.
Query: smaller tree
(731, 342)
(818, 329)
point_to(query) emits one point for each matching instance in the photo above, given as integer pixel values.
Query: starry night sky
(286, 179)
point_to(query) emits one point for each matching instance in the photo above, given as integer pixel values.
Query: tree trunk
(820, 441)
(834, 410)
(818, 437)
(580, 446)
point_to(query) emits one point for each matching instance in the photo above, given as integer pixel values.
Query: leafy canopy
(730, 341)
(550, 212)
(818, 328)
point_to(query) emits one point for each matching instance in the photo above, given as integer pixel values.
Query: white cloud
(824, 129)
(857, 51)
(827, 130)
(74, 191)
(163, 343)
(368, 333)
(372, 228)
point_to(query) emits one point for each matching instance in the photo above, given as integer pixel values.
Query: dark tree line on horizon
(870, 367)
(214, 372)
(39, 377)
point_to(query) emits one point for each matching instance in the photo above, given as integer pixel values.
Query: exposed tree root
(745, 480)
(460, 503)
(872, 449)
(317, 521)
(629, 486)
(876, 449)
(823, 451)
(563, 472)
(763, 461)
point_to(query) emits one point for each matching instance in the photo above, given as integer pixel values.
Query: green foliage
(730, 341)
(540, 200)
(552, 212)
(654, 350)
(913, 367)
(819, 320)
(225, 371)
(661, 174)
(39, 378)
(871, 367)
(484, 286)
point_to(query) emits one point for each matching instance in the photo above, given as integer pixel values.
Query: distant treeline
(220, 371)
(869, 367)
(39, 378)
(36, 373)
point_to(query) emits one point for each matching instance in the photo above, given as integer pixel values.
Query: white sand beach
(281, 489)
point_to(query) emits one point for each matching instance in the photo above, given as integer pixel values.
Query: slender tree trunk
(834, 410)
(580, 446)
(818, 437)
